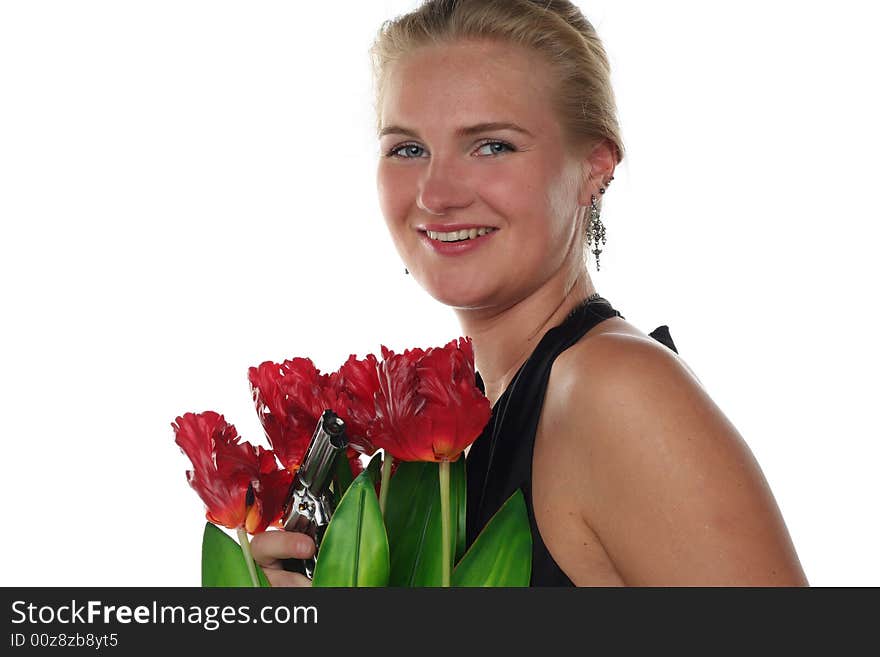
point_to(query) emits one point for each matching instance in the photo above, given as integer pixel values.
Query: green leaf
(342, 477)
(458, 501)
(502, 554)
(414, 525)
(354, 550)
(374, 468)
(223, 561)
(412, 519)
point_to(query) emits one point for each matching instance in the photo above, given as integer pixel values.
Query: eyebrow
(465, 131)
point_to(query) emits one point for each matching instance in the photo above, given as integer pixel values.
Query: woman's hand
(271, 546)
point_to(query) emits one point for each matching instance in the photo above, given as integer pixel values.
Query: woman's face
(525, 187)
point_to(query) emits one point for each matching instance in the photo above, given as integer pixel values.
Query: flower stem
(445, 522)
(248, 557)
(387, 460)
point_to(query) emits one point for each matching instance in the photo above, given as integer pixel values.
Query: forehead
(466, 82)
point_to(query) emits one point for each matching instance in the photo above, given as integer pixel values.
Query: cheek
(533, 211)
(392, 201)
(541, 216)
(562, 208)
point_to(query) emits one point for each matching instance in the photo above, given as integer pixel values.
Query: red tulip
(428, 406)
(353, 387)
(354, 460)
(290, 398)
(240, 485)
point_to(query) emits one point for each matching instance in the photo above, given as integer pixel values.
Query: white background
(184, 185)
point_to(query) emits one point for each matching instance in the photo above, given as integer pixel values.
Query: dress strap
(661, 334)
(500, 461)
(519, 406)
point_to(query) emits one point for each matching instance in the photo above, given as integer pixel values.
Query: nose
(443, 188)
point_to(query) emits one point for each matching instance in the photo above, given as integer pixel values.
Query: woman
(498, 137)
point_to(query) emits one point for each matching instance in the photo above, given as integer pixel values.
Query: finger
(270, 547)
(284, 578)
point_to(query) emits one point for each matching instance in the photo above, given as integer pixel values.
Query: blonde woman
(498, 138)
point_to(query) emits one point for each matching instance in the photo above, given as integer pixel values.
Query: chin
(459, 294)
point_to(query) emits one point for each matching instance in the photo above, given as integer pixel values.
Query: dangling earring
(405, 270)
(596, 229)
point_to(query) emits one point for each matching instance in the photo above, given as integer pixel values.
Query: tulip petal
(272, 490)
(352, 391)
(225, 470)
(220, 472)
(428, 407)
(289, 399)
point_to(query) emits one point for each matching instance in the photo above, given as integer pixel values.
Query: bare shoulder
(658, 473)
(611, 339)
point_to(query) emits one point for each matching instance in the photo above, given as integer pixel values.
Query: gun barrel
(328, 439)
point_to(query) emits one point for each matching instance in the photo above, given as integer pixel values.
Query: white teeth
(457, 235)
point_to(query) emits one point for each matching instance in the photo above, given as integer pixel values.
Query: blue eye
(394, 152)
(497, 143)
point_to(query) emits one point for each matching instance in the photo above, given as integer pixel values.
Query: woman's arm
(664, 479)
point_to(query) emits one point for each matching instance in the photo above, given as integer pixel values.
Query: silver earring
(596, 229)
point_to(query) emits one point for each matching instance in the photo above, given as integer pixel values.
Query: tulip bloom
(241, 486)
(429, 408)
(428, 405)
(290, 398)
(353, 388)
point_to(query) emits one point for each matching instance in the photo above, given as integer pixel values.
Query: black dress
(500, 460)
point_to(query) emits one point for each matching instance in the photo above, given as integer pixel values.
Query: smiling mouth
(459, 235)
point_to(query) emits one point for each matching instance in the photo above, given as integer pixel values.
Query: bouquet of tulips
(399, 521)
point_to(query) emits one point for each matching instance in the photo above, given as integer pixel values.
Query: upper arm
(667, 483)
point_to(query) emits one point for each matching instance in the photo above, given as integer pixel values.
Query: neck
(505, 335)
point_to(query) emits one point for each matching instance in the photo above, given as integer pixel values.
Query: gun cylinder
(309, 504)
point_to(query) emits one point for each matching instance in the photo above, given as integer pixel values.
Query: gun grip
(294, 565)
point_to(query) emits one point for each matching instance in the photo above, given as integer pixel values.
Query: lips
(448, 228)
(456, 248)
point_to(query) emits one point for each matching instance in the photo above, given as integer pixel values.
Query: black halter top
(500, 460)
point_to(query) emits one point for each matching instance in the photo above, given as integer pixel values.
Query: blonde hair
(583, 100)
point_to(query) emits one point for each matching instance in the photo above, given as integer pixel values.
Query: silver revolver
(309, 504)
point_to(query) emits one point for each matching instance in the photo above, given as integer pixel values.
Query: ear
(597, 167)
